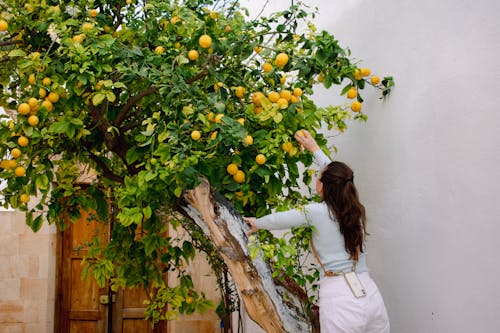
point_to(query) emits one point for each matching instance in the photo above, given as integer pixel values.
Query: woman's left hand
(251, 223)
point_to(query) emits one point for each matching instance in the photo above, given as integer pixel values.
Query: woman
(349, 299)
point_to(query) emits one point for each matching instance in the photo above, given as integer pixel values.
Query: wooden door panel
(78, 308)
(136, 325)
(78, 299)
(78, 326)
(84, 294)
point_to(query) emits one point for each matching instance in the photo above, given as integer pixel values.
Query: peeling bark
(263, 299)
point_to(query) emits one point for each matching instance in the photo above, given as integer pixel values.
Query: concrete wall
(27, 276)
(427, 162)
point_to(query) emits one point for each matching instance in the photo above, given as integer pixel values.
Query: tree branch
(106, 171)
(130, 103)
(11, 42)
(119, 17)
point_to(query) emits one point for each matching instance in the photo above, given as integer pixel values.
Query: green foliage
(118, 96)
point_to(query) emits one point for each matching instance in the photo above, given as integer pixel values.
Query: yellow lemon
(42, 92)
(53, 97)
(20, 171)
(241, 121)
(301, 133)
(239, 177)
(93, 12)
(87, 26)
(375, 80)
(31, 79)
(195, 135)
(232, 169)
(32, 102)
(287, 146)
(256, 97)
(286, 94)
(4, 25)
(352, 93)
(205, 41)
(33, 120)
(159, 50)
(282, 103)
(248, 140)
(48, 105)
(24, 198)
(193, 55)
(24, 108)
(297, 92)
(273, 96)
(218, 118)
(357, 74)
(16, 152)
(23, 141)
(365, 71)
(211, 116)
(260, 159)
(77, 39)
(356, 106)
(281, 60)
(239, 92)
(267, 67)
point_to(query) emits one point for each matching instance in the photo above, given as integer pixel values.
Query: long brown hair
(341, 197)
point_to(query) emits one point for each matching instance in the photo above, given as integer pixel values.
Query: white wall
(427, 162)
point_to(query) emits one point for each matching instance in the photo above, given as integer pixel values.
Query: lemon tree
(151, 97)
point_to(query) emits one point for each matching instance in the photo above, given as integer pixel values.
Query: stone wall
(27, 276)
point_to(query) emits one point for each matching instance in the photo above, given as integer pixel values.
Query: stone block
(10, 245)
(31, 244)
(34, 289)
(11, 312)
(39, 328)
(18, 223)
(6, 269)
(10, 289)
(12, 328)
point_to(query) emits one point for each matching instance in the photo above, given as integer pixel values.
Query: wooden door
(83, 307)
(80, 302)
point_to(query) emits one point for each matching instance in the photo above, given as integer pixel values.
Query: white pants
(341, 312)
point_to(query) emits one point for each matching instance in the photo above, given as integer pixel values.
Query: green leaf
(42, 182)
(17, 53)
(98, 98)
(147, 211)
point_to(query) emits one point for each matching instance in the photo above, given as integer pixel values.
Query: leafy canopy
(146, 97)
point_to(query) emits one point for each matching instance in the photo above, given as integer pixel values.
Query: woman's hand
(306, 140)
(251, 222)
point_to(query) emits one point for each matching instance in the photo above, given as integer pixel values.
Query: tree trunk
(262, 298)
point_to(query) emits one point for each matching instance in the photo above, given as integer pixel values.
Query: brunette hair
(341, 197)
